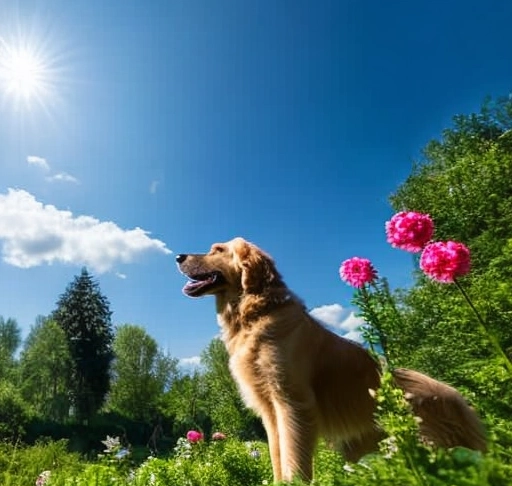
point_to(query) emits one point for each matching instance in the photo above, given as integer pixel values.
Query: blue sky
(162, 126)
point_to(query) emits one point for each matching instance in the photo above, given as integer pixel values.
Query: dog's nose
(181, 257)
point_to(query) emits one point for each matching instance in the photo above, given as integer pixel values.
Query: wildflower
(389, 446)
(112, 444)
(255, 453)
(444, 261)
(218, 436)
(194, 436)
(122, 453)
(409, 231)
(43, 478)
(357, 271)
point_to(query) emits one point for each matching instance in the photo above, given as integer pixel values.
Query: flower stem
(483, 326)
(374, 332)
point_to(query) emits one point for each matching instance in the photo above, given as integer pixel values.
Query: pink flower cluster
(194, 436)
(409, 231)
(357, 271)
(444, 261)
(441, 260)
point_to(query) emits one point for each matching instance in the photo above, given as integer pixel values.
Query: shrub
(14, 413)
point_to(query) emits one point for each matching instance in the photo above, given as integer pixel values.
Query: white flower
(111, 444)
(42, 479)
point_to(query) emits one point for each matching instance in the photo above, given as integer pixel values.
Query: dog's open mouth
(201, 283)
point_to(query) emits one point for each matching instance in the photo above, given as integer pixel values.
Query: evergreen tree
(84, 315)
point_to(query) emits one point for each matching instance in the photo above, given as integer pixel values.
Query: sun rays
(28, 75)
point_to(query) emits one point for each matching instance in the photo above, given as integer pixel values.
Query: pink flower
(194, 436)
(218, 436)
(409, 231)
(357, 271)
(444, 261)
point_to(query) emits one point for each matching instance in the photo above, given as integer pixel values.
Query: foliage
(185, 404)
(233, 462)
(140, 369)
(84, 315)
(14, 412)
(20, 465)
(463, 182)
(10, 340)
(224, 404)
(44, 367)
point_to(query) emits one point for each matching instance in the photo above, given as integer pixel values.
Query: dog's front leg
(297, 440)
(271, 427)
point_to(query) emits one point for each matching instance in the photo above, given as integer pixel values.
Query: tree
(10, 340)
(84, 315)
(45, 363)
(185, 404)
(224, 404)
(140, 369)
(463, 182)
(14, 413)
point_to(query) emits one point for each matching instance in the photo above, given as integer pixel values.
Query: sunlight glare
(25, 75)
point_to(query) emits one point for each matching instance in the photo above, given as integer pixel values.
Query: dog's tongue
(193, 286)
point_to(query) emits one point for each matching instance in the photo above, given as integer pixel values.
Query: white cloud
(57, 177)
(38, 161)
(153, 187)
(121, 275)
(33, 233)
(62, 177)
(334, 315)
(190, 365)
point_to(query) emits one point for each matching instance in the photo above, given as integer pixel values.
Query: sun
(25, 74)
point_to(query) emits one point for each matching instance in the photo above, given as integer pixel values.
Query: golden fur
(301, 379)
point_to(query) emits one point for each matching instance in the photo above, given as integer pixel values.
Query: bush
(14, 413)
(401, 461)
(21, 465)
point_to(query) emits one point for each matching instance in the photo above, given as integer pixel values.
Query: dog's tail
(446, 418)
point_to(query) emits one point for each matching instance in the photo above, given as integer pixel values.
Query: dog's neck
(238, 312)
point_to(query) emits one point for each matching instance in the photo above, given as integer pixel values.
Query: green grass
(232, 463)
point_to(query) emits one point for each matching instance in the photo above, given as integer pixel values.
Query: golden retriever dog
(301, 379)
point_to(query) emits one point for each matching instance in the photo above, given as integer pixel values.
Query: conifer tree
(84, 315)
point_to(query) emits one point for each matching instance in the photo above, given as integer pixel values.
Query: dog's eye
(218, 249)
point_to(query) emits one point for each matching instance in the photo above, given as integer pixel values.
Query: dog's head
(236, 266)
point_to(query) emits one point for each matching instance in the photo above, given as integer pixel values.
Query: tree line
(75, 368)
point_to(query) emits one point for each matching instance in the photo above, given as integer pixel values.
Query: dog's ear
(257, 268)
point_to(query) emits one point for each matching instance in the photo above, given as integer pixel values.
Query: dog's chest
(255, 372)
